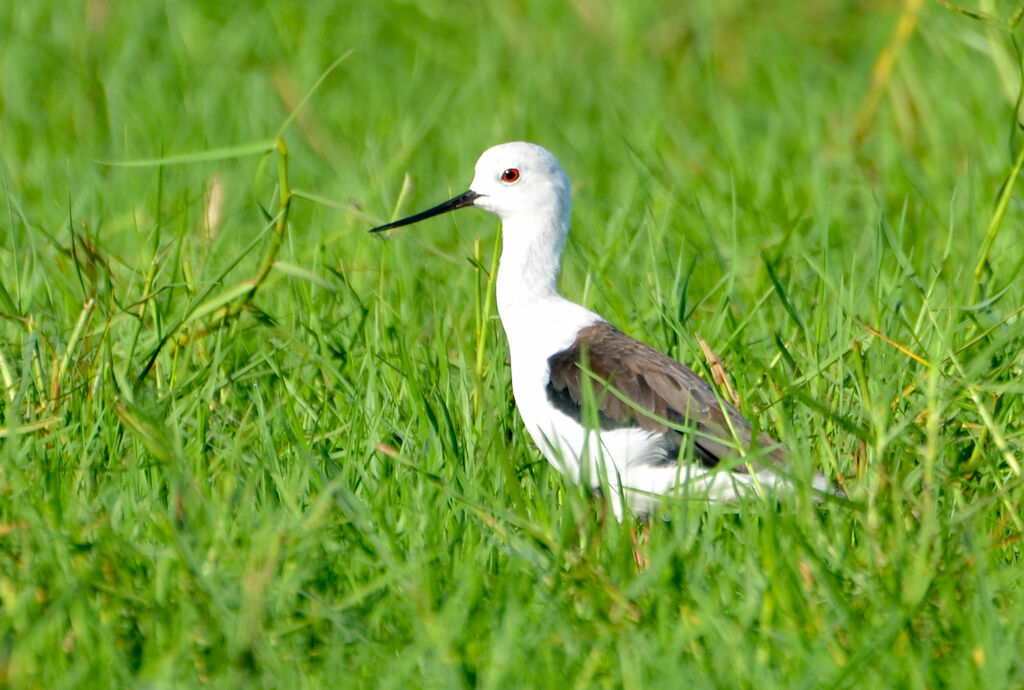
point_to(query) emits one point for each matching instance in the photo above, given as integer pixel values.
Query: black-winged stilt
(601, 406)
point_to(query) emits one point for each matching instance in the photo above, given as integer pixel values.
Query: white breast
(630, 462)
(620, 459)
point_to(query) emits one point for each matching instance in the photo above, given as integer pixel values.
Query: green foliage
(244, 443)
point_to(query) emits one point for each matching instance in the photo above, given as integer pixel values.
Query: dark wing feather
(654, 382)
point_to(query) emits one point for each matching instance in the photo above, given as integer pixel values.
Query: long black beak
(460, 201)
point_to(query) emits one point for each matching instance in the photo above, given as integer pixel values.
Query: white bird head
(520, 178)
(515, 181)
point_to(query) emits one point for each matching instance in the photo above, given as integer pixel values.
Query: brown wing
(657, 384)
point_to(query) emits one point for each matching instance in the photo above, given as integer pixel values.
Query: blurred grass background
(317, 485)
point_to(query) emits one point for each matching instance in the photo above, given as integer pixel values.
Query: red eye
(510, 175)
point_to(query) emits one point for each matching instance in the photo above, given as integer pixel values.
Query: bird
(605, 409)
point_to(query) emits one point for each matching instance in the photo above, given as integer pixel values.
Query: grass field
(245, 444)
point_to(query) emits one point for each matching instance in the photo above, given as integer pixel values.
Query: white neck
(537, 320)
(530, 259)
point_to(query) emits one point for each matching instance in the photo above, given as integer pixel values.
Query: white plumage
(635, 454)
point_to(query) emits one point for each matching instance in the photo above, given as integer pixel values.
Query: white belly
(629, 462)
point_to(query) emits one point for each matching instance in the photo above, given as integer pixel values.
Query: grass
(246, 444)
